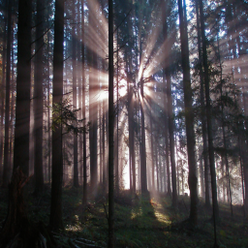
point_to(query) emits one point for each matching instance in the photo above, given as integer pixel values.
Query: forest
(123, 123)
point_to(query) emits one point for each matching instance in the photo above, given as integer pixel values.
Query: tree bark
(38, 99)
(57, 156)
(189, 115)
(74, 85)
(203, 111)
(209, 120)
(22, 126)
(6, 166)
(111, 128)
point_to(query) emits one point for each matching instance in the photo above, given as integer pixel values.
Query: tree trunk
(209, 121)
(189, 115)
(93, 107)
(3, 84)
(143, 143)
(22, 126)
(6, 166)
(38, 99)
(57, 155)
(111, 128)
(203, 111)
(152, 152)
(169, 112)
(74, 85)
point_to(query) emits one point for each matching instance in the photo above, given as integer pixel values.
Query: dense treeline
(168, 113)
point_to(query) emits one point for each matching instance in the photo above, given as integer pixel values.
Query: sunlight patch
(73, 228)
(135, 213)
(76, 227)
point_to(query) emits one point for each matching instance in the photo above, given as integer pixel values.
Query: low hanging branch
(65, 115)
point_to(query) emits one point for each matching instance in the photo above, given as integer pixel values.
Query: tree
(57, 160)
(84, 115)
(189, 115)
(203, 111)
(111, 127)
(6, 168)
(209, 120)
(169, 109)
(93, 106)
(38, 98)
(75, 137)
(22, 126)
(143, 142)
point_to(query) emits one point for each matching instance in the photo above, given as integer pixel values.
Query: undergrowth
(147, 221)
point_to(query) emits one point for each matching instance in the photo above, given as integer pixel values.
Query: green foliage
(66, 116)
(147, 222)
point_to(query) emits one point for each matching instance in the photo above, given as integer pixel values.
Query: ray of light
(155, 30)
(97, 38)
(159, 58)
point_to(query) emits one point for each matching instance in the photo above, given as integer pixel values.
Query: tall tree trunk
(111, 128)
(209, 120)
(152, 153)
(117, 119)
(226, 159)
(6, 166)
(48, 117)
(93, 106)
(57, 154)
(209, 125)
(189, 115)
(169, 111)
(74, 85)
(84, 111)
(203, 111)
(131, 139)
(3, 84)
(143, 143)
(22, 126)
(38, 98)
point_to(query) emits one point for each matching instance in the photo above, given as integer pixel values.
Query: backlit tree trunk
(38, 99)
(6, 166)
(189, 115)
(22, 126)
(57, 158)
(111, 128)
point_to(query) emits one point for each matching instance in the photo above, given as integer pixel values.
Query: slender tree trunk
(209, 125)
(226, 162)
(167, 88)
(209, 121)
(152, 153)
(84, 111)
(74, 85)
(93, 106)
(22, 126)
(49, 119)
(189, 115)
(6, 167)
(111, 128)
(3, 84)
(143, 143)
(38, 99)
(117, 119)
(57, 155)
(131, 140)
(203, 111)
(167, 149)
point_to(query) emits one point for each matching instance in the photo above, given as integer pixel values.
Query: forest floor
(139, 222)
